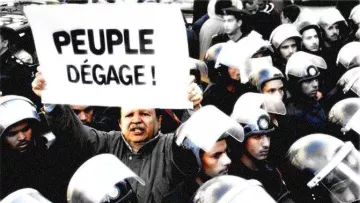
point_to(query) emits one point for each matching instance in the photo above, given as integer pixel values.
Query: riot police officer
(306, 24)
(26, 160)
(249, 160)
(344, 115)
(305, 114)
(323, 168)
(286, 41)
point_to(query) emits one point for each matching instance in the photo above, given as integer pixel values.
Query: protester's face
(216, 162)
(84, 113)
(18, 137)
(258, 146)
(333, 32)
(310, 39)
(231, 24)
(139, 125)
(310, 87)
(287, 48)
(274, 87)
(234, 73)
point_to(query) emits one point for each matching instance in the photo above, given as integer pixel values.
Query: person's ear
(160, 120)
(239, 23)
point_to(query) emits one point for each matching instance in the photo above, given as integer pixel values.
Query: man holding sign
(140, 145)
(124, 62)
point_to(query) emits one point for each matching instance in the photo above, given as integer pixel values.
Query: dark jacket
(156, 162)
(48, 170)
(304, 117)
(269, 176)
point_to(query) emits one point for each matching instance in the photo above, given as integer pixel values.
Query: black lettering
(129, 80)
(101, 76)
(128, 49)
(112, 75)
(110, 41)
(61, 38)
(92, 46)
(137, 74)
(143, 41)
(84, 73)
(77, 42)
(77, 75)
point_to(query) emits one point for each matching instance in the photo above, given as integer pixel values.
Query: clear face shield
(341, 176)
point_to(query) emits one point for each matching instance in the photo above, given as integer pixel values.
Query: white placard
(112, 54)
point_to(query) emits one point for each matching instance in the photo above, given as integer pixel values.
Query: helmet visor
(343, 181)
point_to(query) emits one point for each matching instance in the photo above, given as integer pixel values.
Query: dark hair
(291, 12)
(220, 5)
(237, 13)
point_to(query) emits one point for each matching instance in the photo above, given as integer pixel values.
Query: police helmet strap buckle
(339, 156)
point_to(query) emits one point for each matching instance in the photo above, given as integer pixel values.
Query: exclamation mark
(153, 74)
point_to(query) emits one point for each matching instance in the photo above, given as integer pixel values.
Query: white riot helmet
(251, 100)
(205, 127)
(350, 81)
(14, 109)
(101, 179)
(347, 53)
(330, 16)
(304, 66)
(327, 162)
(346, 113)
(355, 14)
(307, 19)
(232, 189)
(259, 77)
(25, 195)
(255, 121)
(282, 33)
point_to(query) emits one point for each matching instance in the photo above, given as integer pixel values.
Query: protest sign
(112, 54)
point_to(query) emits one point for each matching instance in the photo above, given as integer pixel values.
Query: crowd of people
(275, 118)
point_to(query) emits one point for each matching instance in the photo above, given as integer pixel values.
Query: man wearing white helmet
(344, 115)
(355, 23)
(221, 133)
(305, 113)
(334, 33)
(323, 169)
(306, 24)
(249, 160)
(286, 41)
(26, 160)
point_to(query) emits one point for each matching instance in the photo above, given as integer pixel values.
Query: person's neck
(235, 37)
(248, 162)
